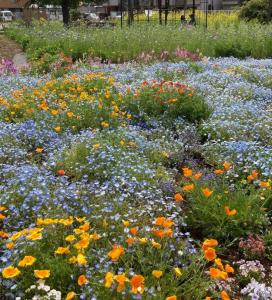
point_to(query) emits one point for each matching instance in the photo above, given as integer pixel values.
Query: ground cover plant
(137, 181)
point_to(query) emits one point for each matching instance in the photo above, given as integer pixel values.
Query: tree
(66, 5)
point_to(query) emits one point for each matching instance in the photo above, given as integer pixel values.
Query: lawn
(146, 180)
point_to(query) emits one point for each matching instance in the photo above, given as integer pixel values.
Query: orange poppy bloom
(82, 244)
(70, 296)
(210, 254)
(161, 233)
(224, 295)
(178, 197)
(130, 240)
(42, 273)
(207, 192)
(188, 187)
(226, 165)
(3, 235)
(264, 184)
(10, 245)
(61, 172)
(171, 298)
(254, 175)
(218, 274)
(209, 243)
(85, 226)
(162, 221)
(208, 298)
(187, 172)
(218, 172)
(197, 176)
(27, 261)
(157, 273)
(121, 280)
(10, 272)
(134, 230)
(82, 280)
(2, 217)
(116, 252)
(230, 212)
(229, 269)
(137, 284)
(62, 250)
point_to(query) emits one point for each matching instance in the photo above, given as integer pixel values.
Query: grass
(237, 38)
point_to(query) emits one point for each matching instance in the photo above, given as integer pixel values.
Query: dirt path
(10, 49)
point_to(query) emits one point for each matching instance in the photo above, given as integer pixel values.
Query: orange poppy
(42, 273)
(188, 187)
(187, 172)
(230, 212)
(116, 252)
(210, 254)
(134, 230)
(178, 197)
(137, 284)
(10, 272)
(121, 280)
(197, 176)
(218, 274)
(82, 280)
(209, 243)
(207, 192)
(264, 184)
(61, 172)
(218, 172)
(226, 165)
(224, 295)
(157, 273)
(130, 240)
(229, 269)
(171, 298)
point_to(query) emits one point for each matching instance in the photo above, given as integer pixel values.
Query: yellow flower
(156, 245)
(108, 279)
(157, 273)
(81, 259)
(125, 223)
(57, 129)
(70, 296)
(27, 261)
(178, 271)
(143, 240)
(70, 114)
(62, 250)
(226, 165)
(10, 272)
(42, 273)
(96, 146)
(70, 238)
(2, 208)
(39, 150)
(34, 236)
(10, 245)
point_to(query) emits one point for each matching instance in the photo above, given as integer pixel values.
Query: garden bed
(137, 181)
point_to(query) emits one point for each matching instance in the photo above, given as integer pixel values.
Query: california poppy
(230, 212)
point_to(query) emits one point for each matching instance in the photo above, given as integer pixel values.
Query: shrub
(166, 100)
(255, 10)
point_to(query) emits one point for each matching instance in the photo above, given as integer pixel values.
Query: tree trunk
(130, 12)
(160, 11)
(166, 11)
(65, 11)
(269, 15)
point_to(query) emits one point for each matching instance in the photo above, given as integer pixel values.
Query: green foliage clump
(255, 10)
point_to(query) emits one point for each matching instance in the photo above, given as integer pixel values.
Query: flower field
(137, 181)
